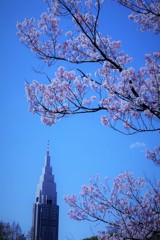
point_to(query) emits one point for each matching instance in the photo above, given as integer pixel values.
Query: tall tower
(45, 209)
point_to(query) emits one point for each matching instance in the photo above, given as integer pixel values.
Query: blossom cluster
(154, 156)
(129, 210)
(126, 95)
(133, 93)
(53, 46)
(145, 13)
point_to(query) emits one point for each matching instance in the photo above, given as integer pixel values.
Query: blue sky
(79, 146)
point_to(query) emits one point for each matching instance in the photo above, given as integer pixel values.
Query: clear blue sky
(79, 146)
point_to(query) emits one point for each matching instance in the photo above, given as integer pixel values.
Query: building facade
(45, 209)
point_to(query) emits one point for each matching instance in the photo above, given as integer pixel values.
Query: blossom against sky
(79, 146)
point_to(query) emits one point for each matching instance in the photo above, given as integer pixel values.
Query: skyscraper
(45, 209)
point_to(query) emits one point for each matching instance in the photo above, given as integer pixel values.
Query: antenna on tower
(48, 147)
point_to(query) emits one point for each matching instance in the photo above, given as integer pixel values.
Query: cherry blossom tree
(146, 13)
(129, 210)
(122, 93)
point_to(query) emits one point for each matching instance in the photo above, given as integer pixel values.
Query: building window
(49, 201)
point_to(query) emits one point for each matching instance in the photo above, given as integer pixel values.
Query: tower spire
(47, 162)
(48, 148)
(45, 209)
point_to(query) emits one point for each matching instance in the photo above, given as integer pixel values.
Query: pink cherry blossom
(154, 156)
(129, 209)
(145, 13)
(123, 94)
(128, 98)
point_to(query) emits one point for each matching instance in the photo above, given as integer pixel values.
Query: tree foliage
(130, 209)
(11, 231)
